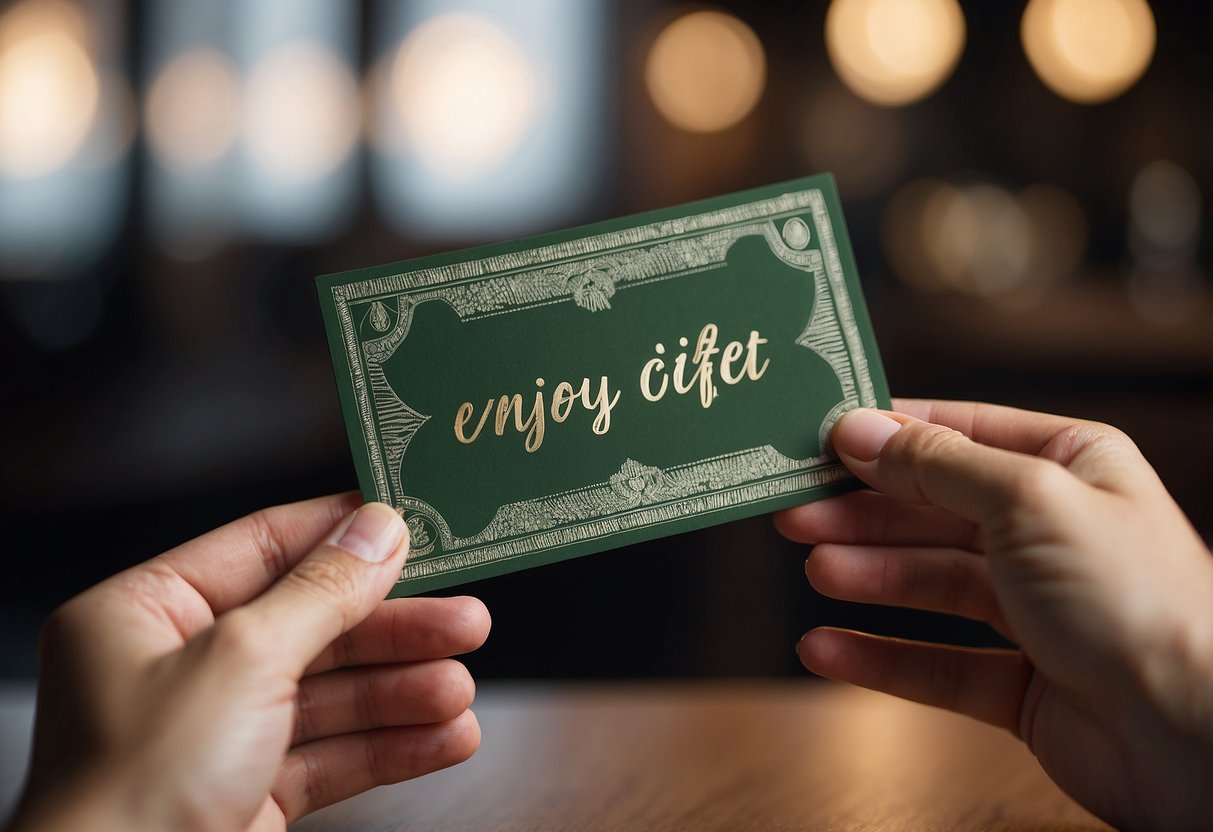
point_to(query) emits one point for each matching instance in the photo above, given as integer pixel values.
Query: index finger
(920, 462)
(1097, 453)
(233, 564)
(999, 426)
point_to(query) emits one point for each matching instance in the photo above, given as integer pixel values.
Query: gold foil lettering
(562, 401)
(751, 357)
(461, 419)
(565, 396)
(704, 368)
(732, 352)
(533, 423)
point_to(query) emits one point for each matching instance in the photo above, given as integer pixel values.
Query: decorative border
(588, 272)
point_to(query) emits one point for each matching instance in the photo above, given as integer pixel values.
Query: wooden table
(720, 756)
(699, 755)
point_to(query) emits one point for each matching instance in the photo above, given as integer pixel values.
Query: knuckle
(327, 578)
(238, 635)
(1038, 483)
(267, 542)
(66, 625)
(315, 779)
(372, 693)
(877, 523)
(65, 642)
(305, 707)
(905, 576)
(925, 440)
(340, 652)
(1114, 436)
(1089, 437)
(1098, 432)
(956, 584)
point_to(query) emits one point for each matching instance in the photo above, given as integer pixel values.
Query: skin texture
(1059, 534)
(249, 677)
(254, 675)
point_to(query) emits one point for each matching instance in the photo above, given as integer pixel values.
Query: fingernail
(863, 433)
(372, 533)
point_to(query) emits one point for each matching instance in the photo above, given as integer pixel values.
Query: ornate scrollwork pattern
(589, 272)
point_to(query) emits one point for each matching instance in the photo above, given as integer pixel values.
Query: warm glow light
(48, 88)
(193, 109)
(1165, 284)
(1088, 50)
(1164, 207)
(894, 52)
(706, 71)
(113, 130)
(980, 239)
(984, 244)
(464, 95)
(301, 112)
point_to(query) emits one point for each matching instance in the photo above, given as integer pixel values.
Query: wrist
(85, 805)
(1170, 727)
(1177, 668)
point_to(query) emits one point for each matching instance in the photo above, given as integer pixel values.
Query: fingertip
(781, 521)
(841, 571)
(821, 650)
(474, 621)
(464, 736)
(817, 565)
(374, 532)
(454, 688)
(797, 523)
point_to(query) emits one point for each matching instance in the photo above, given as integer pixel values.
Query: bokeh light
(1088, 50)
(49, 87)
(706, 71)
(464, 94)
(984, 243)
(113, 131)
(894, 52)
(980, 239)
(193, 109)
(1164, 283)
(302, 115)
(486, 120)
(1164, 210)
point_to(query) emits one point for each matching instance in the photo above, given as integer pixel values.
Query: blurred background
(1027, 188)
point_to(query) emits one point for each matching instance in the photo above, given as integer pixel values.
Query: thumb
(921, 462)
(333, 588)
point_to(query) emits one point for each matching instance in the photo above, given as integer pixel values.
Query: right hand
(1059, 534)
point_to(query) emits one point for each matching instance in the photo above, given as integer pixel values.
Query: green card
(541, 399)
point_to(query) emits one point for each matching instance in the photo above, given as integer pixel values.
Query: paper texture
(541, 399)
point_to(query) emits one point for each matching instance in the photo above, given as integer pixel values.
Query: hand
(1060, 535)
(249, 677)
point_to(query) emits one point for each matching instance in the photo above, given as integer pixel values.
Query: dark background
(148, 397)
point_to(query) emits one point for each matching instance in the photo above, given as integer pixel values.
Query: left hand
(249, 677)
